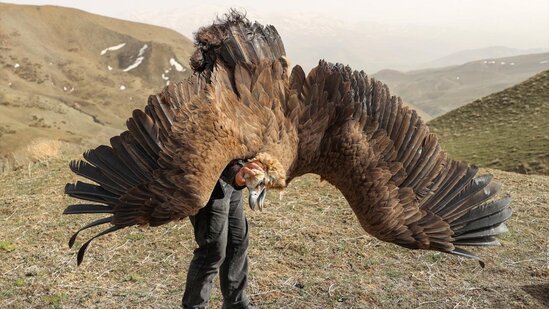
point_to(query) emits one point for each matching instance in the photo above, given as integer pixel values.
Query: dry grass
(307, 251)
(39, 150)
(43, 150)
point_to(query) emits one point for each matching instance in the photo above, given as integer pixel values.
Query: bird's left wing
(392, 171)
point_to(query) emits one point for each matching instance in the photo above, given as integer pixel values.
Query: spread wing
(166, 165)
(392, 171)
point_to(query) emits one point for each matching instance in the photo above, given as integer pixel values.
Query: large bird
(243, 103)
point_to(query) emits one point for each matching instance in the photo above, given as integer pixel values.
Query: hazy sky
(426, 28)
(529, 17)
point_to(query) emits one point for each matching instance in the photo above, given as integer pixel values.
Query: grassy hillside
(507, 130)
(70, 75)
(438, 91)
(307, 250)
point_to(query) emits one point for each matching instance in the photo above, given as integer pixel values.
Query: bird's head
(259, 174)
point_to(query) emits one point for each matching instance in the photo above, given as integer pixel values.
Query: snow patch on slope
(177, 65)
(112, 48)
(139, 59)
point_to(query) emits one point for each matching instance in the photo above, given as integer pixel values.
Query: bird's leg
(257, 196)
(255, 181)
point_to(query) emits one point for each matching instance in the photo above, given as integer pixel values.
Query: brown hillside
(59, 81)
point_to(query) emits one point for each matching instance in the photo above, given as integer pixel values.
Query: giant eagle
(244, 103)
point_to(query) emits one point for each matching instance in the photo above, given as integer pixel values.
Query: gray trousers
(221, 232)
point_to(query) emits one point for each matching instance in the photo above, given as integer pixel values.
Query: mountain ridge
(440, 90)
(468, 55)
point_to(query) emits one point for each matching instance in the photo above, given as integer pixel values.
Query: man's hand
(249, 170)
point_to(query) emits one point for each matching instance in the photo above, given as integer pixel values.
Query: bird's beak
(257, 197)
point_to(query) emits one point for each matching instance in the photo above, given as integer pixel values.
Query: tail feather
(467, 254)
(104, 158)
(84, 247)
(494, 231)
(472, 188)
(481, 241)
(92, 224)
(464, 205)
(91, 172)
(473, 201)
(481, 211)
(88, 209)
(485, 223)
(89, 192)
(121, 151)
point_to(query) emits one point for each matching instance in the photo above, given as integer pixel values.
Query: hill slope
(67, 74)
(507, 130)
(438, 91)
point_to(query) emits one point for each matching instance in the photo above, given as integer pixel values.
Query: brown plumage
(243, 104)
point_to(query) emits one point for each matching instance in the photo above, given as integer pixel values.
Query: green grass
(136, 236)
(53, 300)
(508, 130)
(393, 273)
(134, 277)
(19, 282)
(6, 246)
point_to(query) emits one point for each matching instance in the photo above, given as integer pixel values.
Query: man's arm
(237, 171)
(229, 174)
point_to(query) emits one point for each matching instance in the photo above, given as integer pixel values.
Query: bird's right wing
(166, 165)
(137, 175)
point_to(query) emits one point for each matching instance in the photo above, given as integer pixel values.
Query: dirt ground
(307, 251)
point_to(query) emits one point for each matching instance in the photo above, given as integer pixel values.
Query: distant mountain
(464, 56)
(507, 130)
(70, 75)
(309, 36)
(438, 91)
